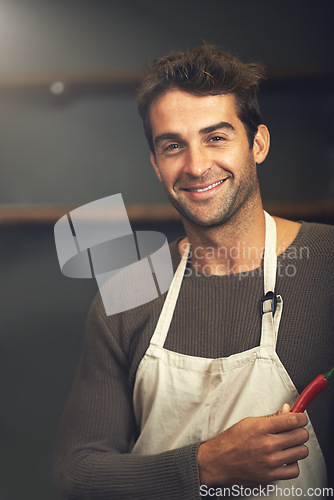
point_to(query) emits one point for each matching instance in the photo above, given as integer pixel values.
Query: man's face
(202, 156)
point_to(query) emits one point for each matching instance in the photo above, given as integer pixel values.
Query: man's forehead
(178, 108)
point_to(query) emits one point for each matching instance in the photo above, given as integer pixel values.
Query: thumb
(285, 408)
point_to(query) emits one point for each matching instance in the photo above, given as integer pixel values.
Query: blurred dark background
(70, 134)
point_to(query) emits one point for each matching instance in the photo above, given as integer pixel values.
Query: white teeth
(200, 190)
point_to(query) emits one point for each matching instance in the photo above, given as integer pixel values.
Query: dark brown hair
(204, 70)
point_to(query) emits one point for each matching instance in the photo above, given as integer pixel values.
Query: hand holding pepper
(256, 450)
(259, 449)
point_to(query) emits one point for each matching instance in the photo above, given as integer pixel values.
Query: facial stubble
(206, 213)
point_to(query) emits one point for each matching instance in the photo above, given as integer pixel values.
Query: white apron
(180, 399)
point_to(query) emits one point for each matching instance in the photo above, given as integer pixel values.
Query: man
(191, 392)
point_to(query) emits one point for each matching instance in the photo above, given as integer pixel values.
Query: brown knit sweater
(215, 316)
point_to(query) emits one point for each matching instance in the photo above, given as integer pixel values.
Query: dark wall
(84, 145)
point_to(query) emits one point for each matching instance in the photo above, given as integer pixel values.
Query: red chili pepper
(309, 393)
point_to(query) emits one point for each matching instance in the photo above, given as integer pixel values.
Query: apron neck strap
(271, 305)
(165, 318)
(270, 257)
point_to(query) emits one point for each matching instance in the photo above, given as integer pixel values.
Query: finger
(290, 471)
(285, 422)
(287, 457)
(291, 438)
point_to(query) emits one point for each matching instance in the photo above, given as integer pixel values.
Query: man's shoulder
(317, 238)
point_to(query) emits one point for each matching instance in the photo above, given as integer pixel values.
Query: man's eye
(171, 147)
(216, 138)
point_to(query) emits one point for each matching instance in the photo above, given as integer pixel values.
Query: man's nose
(197, 161)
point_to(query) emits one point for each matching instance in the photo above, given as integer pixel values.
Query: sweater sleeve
(93, 459)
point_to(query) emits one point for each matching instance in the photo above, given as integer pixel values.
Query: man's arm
(92, 456)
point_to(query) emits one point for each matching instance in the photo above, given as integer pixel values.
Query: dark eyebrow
(168, 136)
(174, 136)
(212, 128)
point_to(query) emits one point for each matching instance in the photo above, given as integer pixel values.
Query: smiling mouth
(207, 188)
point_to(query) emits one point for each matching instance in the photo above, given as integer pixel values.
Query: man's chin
(205, 223)
(202, 220)
(199, 220)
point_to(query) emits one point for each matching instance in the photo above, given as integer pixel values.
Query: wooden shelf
(130, 79)
(66, 86)
(84, 78)
(37, 214)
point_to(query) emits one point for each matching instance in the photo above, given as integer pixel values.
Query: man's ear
(155, 166)
(261, 144)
